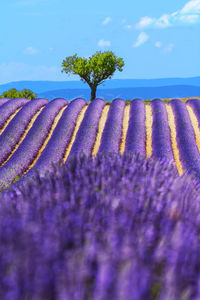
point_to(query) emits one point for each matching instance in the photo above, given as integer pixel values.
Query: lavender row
(76, 234)
(161, 138)
(195, 105)
(55, 148)
(3, 100)
(8, 108)
(15, 129)
(87, 131)
(28, 149)
(112, 132)
(189, 154)
(136, 133)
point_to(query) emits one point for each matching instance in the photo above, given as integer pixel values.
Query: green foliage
(13, 93)
(94, 70)
(28, 94)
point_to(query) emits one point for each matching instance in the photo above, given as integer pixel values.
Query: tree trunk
(93, 93)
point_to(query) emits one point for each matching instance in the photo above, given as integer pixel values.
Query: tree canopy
(14, 93)
(94, 70)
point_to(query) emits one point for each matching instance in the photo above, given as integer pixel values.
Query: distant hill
(122, 88)
(43, 86)
(178, 91)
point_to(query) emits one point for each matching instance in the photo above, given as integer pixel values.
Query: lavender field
(39, 133)
(99, 201)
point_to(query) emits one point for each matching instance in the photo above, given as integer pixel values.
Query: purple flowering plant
(110, 227)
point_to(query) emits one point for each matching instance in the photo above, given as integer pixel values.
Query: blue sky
(156, 39)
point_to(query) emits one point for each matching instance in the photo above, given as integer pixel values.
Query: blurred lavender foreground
(113, 227)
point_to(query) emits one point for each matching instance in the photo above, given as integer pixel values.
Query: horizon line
(78, 80)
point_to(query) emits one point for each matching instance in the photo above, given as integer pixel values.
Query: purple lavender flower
(3, 100)
(136, 133)
(189, 154)
(55, 148)
(111, 136)
(15, 129)
(76, 234)
(161, 139)
(28, 149)
(87, 132)
(9, 107)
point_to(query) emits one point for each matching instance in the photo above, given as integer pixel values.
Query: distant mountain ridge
(179, 91)
(122, 88)
(43, 86)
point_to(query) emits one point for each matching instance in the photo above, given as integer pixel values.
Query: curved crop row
(60, 139)
(189, 153)
(195, 124)
(14, 132)
(3, 100)
(9, 108)
(161, 141)
(111, 136)
(101, 125)
(30, 147)
(195, 120)
(163, 131)
(87, 132)
(136, 134)
(195, 105)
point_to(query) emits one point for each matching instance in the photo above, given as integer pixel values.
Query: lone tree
(95, 70)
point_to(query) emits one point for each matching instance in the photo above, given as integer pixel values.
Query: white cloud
(141, 39)
(158, 44)
(189, 14)
(30, 50)
(102, 43)
(189, 18)
(169, 48)
(123, 21)
(144, 22)
(191, 7)
(16, 71)
(163, 21)
(106, 20)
